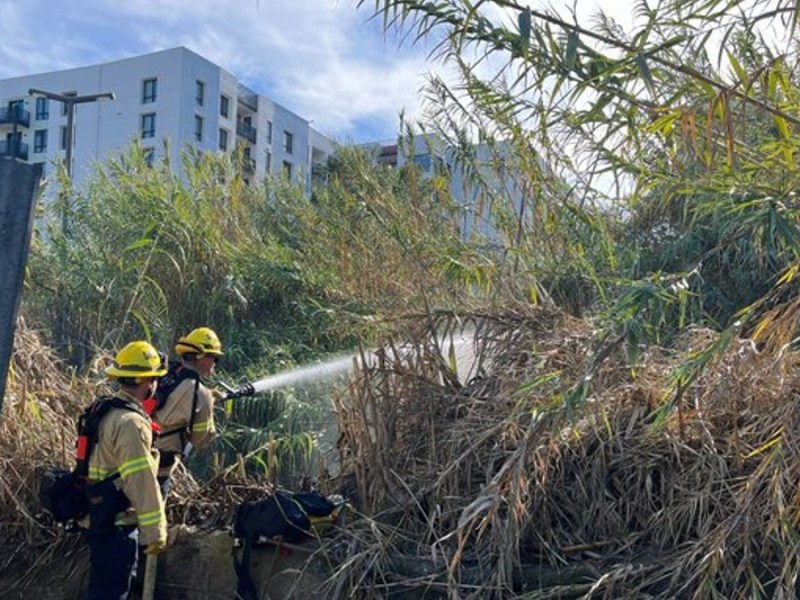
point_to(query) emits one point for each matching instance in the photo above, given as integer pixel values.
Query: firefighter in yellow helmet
(126, 506)
(185, 413)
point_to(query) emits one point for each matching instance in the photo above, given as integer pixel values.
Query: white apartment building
(173, 95)
(431, 154)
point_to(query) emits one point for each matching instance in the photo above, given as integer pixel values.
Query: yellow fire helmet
(200, 341)
(136, 359)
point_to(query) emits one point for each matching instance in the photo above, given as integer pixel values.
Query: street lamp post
(69, 101)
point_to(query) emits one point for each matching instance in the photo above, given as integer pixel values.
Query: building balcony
(248, 132)
(15, 115)
(387, 155)
(12, 149)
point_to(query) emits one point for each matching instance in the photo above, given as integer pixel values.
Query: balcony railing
(14, 149)
(15, 114)
(248, 132)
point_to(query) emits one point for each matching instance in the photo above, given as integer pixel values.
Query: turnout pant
(113, 554)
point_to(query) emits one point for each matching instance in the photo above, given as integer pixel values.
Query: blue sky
(322, 59)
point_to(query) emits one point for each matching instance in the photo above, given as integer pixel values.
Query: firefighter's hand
(155, 547)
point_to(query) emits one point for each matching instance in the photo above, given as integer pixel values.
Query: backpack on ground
(283, 516)
(66, 494)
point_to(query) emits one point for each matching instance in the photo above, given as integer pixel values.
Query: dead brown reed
(510, 485)
(510, 477)
(37, 430)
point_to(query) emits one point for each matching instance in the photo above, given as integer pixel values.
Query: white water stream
(340, 365)
(327, 373)
(304, 375)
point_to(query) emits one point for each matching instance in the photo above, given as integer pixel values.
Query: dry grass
(506, 486)
(498, 488)
(37, 430)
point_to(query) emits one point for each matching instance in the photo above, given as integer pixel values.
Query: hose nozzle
(246, 389)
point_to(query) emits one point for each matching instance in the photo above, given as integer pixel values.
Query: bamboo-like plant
(149, 252)
(650, 157)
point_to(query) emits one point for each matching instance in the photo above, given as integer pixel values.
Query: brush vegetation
(631, 428)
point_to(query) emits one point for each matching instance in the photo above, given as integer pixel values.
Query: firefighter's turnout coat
(175, 420)
(125, 445)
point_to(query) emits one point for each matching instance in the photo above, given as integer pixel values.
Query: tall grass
(284, 278)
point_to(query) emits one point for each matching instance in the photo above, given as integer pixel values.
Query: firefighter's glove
(155, 547)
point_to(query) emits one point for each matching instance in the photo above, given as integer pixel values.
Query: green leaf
(142, 243)
(525, 28)
(737, 67)
(772, 83)
(783, 127)
(571, 54)
(644, 71)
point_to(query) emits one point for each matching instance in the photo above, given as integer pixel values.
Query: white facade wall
(430, 153)
(106, 128)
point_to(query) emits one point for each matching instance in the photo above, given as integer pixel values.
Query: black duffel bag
(284, 516)
(278, 515)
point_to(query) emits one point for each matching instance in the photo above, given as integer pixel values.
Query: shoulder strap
(194, 404)
(186, 432)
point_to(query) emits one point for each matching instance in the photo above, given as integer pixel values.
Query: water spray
(300, 375)
(325, 371)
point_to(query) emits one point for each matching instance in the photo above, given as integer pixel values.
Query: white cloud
(321, 60)
(324, 60)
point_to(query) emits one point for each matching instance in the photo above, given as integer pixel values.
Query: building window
(63, 141)
(224, 106)
(42, 109)
(198, 128)
(199, 92)
(40, 141)
(149, 156)
(423, 161)
(287, 169)
(149, 90)
(148, 128)
(268, 161)
(223, 140)
(288, 142)
(269, 132)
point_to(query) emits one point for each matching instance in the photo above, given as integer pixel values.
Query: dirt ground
(196, 566)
